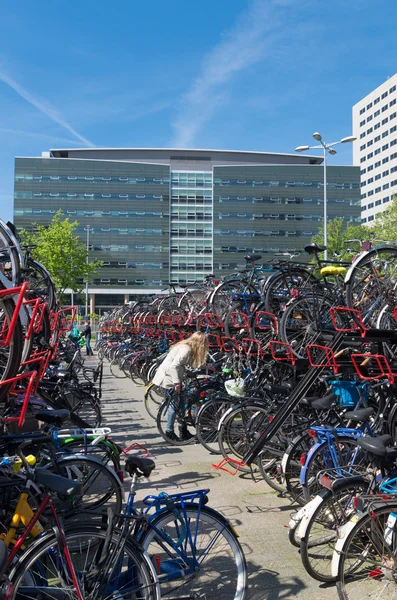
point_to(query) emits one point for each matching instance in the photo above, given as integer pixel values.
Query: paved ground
(257, 512)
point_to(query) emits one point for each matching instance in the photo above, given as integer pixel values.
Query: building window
(386, 199)
(369, 105)
(363, 220)
(369, 130)
(362, 111)
(371, 218)
(393, 129)
(362, 135)
(386, 186)
(377, 190)
(385, 160)
(385, 147)
(377, 100)
(384, 134)
(370, 168)
(370, 142)
(377, 164)
(376, 113)
(371, 193)
(384, 121)
(362, 147)
(392, 103)
(363, 171)
(392, 89)
(384, 95)
(363, 159)
(392, 116)
(377, 151)
(370, 180)
(377, 177)
(370, 155)
(370, 205)
(376, 126)
(385, 173)
(368, 119)
(378, 202)
(362, 123)
(385, 107)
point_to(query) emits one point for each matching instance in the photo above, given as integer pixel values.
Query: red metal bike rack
(8, 332)
(226, 461)
(275, 345)
(381, 363)
(31, 377)
(266, 321)
(354, 317)
(321, 356)
(240, 320)
(229, 344)
(252, 347)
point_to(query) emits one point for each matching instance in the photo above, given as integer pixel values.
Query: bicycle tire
(334, 510)
(221, 298)
(293, 280)
(161, 421)
(303, 320)
(116, 369)
(372, 580)
(210, 526)
(44, 557)
(207, 422)
(101, 486)
(367, 270)
(103, 451)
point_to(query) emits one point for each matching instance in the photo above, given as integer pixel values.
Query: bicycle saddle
(59, 485)
(53, 417)
(362, 414)
(375, 445)
(253, 257)
(323, 403)
(314, 248)
(139, 466)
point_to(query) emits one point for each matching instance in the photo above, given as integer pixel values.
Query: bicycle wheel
(40, 282)
(124, 571)
(303, 320)
(104, 451)
(367, 563)
(207, 422)
(318, 542)
(347, 453)
(291, 466)
(186, 431)
(116, 369)
(282, 287)
(371, 283)
(101, 486)
(154, 397)
(239, 430)
(211, 562)
(228, 292)
(10, 356)
(85, 410)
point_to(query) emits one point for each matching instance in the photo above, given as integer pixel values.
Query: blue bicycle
(194, 548)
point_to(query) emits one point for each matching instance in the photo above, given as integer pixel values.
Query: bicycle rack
(240, 320)
(214, 340)
(226, 461)
(352, 316)
(321, 356)
(36, 318)
(229, 344)
(63, 314)
(288, 355)
(30, 376)
(266, 321)
(7, 331)
(381, 363)
(210, 321)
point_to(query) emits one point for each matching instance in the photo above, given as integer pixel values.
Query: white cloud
(43, 107)
(38, 136)
(257, 33)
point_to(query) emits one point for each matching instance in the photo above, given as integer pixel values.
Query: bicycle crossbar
(286, 410)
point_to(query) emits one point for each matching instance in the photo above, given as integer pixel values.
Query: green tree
(338, 232)
(61, 251)
(385, 224)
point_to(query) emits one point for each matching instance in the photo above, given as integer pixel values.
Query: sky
(232, 74)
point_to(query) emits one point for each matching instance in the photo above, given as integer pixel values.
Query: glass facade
(190, 226)
(182, 217)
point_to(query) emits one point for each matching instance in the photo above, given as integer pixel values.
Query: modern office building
(160, 215)
(375, 149)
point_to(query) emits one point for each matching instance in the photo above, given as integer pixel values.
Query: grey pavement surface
(259, 515)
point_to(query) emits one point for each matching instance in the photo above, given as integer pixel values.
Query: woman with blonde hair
(191, 352)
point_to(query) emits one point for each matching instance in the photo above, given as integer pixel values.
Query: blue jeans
(88, 345)
(171, 414)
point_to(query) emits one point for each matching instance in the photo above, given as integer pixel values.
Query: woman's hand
(177, 388)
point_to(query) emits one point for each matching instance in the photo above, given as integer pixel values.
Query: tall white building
(375, 150)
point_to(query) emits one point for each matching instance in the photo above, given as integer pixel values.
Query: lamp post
(87, 229)
(330, 149)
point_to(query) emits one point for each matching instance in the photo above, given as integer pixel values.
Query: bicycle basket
(346, 392)
(235, 387)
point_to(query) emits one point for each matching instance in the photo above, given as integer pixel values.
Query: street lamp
(330, 149)
(87, 229)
